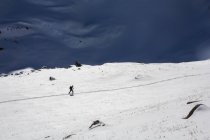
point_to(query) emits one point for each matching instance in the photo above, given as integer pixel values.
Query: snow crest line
(142, 85)
(148, 84)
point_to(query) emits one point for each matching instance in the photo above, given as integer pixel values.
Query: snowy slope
(134, 100)
(55, 33)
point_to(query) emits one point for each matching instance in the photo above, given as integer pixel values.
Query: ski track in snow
(105, 90)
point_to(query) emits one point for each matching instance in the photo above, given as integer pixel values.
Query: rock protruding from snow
(192, 111)
(78, 64)
(96, 123)
(51, 78)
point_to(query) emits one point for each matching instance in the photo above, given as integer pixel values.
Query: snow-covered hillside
(54, 33)
(134, 100)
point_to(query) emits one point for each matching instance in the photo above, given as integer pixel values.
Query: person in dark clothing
(71, 92)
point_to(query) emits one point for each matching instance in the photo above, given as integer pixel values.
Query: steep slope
(56, 33)
(134, 100)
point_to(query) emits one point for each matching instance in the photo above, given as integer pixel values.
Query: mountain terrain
(123, 101)
(57, 33)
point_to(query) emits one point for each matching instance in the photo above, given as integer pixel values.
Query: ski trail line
(105, 90)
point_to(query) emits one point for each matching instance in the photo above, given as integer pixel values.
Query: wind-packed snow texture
(135, 101)
(34, 33)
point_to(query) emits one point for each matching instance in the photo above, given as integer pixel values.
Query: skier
(71, 92)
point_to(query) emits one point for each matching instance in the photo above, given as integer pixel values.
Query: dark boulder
(51, 78)
(77, 64)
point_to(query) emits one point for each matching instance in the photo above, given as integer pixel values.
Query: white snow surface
(135, 101)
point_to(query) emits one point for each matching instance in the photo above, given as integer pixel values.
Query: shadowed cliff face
(56, 33)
